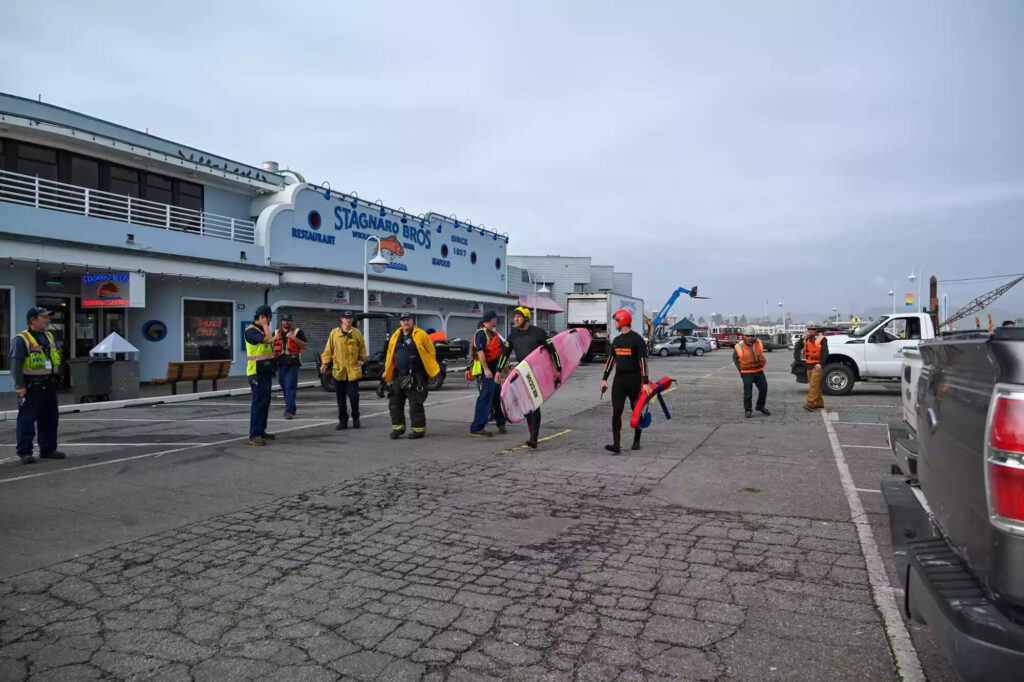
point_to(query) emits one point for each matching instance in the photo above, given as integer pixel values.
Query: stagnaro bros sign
(331, 232)
(114, 290)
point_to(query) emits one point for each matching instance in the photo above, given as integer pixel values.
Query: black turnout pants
(347, 392)
(417, 395)
(624, 386)
(749, 381)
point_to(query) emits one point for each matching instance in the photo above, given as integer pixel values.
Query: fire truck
(727, 337)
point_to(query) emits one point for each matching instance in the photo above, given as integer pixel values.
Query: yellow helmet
(522, 310)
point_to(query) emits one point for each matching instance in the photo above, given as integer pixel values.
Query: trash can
(122, 367)
(91, 379)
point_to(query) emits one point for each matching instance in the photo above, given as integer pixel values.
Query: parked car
(713, 342)
(958, 528)
(693, 346)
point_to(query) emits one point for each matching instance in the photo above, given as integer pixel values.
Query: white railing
(16, 188)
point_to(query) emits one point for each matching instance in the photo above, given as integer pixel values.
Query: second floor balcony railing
(16, 188)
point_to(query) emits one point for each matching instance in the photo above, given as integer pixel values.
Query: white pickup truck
(874, 352)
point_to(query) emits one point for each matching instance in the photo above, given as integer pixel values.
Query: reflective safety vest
(812, 351)
(256, 353)
(752, 360)
(36, 360)
(492, 351)
(293, 348)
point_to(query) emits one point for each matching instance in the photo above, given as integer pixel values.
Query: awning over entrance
(543, 303)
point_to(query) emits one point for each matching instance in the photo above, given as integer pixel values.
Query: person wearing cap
(629, 360)
(289, 342)
(259, 371)
(345, 353)
(35, 368)
(748, 356)
(488, 347)
(523, 340)
(410, 360)
(812, 350)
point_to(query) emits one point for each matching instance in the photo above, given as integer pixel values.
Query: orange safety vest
(293, 348)
(812, 351)
(752, 360)
(494, 347)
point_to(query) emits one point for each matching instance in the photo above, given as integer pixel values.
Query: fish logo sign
(393, 250)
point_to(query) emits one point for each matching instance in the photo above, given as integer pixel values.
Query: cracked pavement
(557, 565)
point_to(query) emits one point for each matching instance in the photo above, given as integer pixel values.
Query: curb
(11, 415)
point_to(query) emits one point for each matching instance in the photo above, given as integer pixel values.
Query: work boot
(289, 415)
(52, 454)
(257, 440)
(636, 444)
(502, 429)
(482, 433)
(27, 459)
(355, 423)
(269, 436)
(764, 411)
(532, 444)
(341, 426)
(614, 449)
(748, 414)
(419, 434)
(395, 435)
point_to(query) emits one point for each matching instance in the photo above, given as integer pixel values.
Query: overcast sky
(812, 151)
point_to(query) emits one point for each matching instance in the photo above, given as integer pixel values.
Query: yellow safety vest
(256, 353)
(35, 362)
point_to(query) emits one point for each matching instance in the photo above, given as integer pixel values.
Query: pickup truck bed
(963, 573)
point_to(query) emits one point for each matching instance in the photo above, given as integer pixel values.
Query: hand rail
(27, 190)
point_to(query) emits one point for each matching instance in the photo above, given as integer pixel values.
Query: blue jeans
(288, 377)
(260, 385)
(38, 405)
(487, 403)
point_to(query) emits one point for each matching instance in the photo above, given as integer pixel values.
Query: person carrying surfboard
(523, 340)
(629, 360)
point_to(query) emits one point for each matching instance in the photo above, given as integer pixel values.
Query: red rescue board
(644, 400)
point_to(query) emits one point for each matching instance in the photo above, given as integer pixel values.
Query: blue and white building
(174, 247)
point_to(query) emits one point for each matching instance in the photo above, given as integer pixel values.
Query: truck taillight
(1004, 455)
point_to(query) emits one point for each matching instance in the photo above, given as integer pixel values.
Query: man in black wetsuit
(523, 340)
(629, 360)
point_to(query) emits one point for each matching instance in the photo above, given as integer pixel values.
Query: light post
(916, 278)
(835, 314)
(892, 295)
(785, 321)
(945, 307)
(379, 263)
(536, 292)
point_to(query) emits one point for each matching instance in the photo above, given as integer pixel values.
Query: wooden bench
(195, 371)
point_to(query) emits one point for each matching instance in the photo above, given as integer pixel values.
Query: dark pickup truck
(958, 527)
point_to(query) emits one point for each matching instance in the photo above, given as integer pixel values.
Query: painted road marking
(114, 445)
(194, 446)
(867, 447)
(908, 666)
(867, 490)
(539, 440)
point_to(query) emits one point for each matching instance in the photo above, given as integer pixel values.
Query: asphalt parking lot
(165, 547)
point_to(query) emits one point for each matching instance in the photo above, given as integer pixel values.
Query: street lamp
(536, 292)
(785, 321)
(379, 263)
(915, 278)
(835, 314)
(892, 295)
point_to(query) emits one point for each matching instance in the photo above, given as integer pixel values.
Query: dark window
(124, 181)
(3, 156)
(190, 195)
(33, 160)
(85, 172)
(158, 188)
(207, 330)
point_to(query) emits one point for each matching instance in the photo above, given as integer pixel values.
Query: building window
(85, 172)
(190, 195)
(158, 189)
(207, 330)
(37, 161)
(5, 328)
(124, 181)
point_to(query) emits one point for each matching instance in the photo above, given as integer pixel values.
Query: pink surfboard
(533, 380)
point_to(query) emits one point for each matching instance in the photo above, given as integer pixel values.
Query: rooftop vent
(271, 166)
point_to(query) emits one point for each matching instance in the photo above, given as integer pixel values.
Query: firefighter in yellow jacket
(748, 356)
(411, 360)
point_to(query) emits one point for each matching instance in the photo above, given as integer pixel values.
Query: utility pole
(933, 302)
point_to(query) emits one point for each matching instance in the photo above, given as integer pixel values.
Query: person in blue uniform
(35, 368)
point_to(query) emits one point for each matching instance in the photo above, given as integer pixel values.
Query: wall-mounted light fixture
(130, 238)
(381, 205)
(355, 199)
(326, 187)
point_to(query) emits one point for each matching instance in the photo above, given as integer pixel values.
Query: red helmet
(623, 318)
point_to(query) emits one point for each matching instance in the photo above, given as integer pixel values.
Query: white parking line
(867, 447)
(194, 446)
(908, 665)
(112, 445)
(867, 490)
